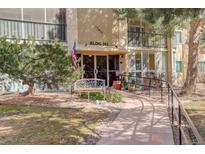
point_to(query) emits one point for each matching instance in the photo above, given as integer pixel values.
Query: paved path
(143, 120)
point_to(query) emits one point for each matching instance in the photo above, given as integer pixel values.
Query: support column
(45, 27)
(123, 44)
(122, 34)
(22, 24)
(169, 60)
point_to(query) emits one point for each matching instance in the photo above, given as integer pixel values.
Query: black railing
(144, 83)
(187, 132)
(143, 39)
(28, 29)
(184, 130)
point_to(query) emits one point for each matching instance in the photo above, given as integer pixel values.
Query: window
(164, 64)
(10, 28)
(148, 61)
(138, 61)
(135, 29)
(178, 66)
(55, 15)
(10, 13)
(52, 15)
(177, 38)
(202, 66)
(34, 14)
(151, 61)
(134, 35)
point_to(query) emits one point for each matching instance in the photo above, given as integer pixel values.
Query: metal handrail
(177, 116)
(33, 22)
(143, 77)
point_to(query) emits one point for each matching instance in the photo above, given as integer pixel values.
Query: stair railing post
(161, 91)
(179, 115)
(172, 106)
(149, 87)
(168, 97)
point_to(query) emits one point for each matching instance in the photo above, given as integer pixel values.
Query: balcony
(148, 40)
(37, 30)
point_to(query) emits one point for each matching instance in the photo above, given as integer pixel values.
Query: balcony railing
(27, 29)
(142, 39)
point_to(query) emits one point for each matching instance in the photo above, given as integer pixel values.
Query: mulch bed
(37, 99)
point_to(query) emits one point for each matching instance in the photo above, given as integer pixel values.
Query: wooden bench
(89, 85)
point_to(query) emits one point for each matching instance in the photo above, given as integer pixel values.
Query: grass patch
(43, 125)
(196, 111)
(114, 97)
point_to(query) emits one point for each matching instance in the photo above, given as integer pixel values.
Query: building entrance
(104, 67)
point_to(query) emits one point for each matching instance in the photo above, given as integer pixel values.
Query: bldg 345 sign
(99, 43)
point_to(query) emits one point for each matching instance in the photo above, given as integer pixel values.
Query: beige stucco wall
(98, 25)
(72, 30)
(123, 34)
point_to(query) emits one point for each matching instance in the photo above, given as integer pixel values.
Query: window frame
(180, 38)
(202, 66)
(178, 70)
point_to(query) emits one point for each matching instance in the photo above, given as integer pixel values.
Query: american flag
(74, 56)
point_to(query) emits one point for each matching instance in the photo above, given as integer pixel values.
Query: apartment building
(180, 58)
(106, 46)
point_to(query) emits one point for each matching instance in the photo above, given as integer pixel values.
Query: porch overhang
(105, 50)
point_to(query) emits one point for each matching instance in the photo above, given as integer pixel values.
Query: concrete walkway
(143, 120)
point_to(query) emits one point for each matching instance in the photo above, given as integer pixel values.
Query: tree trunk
(192, 68)
(30, 89)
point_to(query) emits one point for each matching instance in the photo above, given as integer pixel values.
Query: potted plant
(125, 83)
(131, 85)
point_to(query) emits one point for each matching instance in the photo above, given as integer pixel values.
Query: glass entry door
(89, 66)
(104, 67)
(96, 66)
(101, 68)
(114, 68)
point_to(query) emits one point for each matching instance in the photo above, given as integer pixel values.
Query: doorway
(104, 67)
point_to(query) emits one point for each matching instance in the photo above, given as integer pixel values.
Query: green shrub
(112, 96)
(93, 95)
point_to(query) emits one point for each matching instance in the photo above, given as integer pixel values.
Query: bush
(112, 96)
